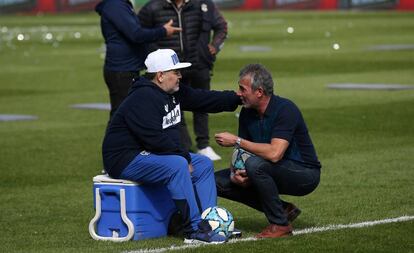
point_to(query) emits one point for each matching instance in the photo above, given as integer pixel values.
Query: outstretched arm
(207, 101)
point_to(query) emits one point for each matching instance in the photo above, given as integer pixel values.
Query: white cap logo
(175, 59)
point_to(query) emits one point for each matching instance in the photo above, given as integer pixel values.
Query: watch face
(238, 141)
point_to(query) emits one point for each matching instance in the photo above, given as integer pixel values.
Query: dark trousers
(118, 84)
(198, 79)
(268, 180)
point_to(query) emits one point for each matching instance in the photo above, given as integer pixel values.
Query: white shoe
(209, 152)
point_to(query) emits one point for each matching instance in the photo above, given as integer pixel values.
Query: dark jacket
(196, 18)
(149, 118)
(125, 39)
(212, 20)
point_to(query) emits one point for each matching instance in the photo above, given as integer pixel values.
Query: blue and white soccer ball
(239, 158)
(220, 220)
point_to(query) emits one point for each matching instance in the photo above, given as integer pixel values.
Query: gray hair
(150, 76)
(260, 77)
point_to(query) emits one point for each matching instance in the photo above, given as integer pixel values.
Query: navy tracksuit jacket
(148, 119)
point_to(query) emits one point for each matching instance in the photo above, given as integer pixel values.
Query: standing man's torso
(188, 17)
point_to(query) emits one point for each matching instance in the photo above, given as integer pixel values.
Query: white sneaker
(209, 152)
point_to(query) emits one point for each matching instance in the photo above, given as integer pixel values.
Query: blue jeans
(191, 192)
(268, 180)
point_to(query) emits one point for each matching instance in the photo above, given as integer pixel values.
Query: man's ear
(260, 92)
(160, 77)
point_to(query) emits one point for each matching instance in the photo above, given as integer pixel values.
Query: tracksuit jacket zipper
(179, 25)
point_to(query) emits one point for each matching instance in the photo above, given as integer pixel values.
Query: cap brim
(181, 65)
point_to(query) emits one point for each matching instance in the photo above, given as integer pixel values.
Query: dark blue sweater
(125, 39)
(149, 118)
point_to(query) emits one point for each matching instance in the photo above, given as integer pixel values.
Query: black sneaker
(204, 235)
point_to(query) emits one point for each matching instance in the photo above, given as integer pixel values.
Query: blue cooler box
(126, 210)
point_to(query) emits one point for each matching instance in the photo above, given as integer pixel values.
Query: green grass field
(364, 139)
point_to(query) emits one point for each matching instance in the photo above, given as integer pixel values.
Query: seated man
(284, 160)
(142, 142)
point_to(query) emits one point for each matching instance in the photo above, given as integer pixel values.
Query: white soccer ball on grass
(220, 220)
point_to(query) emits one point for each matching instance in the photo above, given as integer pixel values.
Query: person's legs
(227, 189)
(203, 181)
(200, 79)
(184, 134)
(267, 189)
(294, 179)
(248, 196)
(284, 177)
(118, 84)
(172, 171)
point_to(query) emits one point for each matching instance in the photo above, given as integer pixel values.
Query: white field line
(295, 232)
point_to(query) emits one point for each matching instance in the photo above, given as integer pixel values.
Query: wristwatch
(238, 141)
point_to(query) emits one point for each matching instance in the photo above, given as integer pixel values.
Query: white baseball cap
(164, 60)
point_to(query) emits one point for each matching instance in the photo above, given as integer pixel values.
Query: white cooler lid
(107, 179)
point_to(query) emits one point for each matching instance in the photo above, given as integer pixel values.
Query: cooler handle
(125, 219)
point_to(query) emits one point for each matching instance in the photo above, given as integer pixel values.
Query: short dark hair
(260, 77)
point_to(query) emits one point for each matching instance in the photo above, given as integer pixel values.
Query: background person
(197, 18)
(143, 141)
(126, 46)
(284, 161)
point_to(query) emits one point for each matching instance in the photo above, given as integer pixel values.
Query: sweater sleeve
(145, 122)
(210, 101)
(122, 16)
(219, 27)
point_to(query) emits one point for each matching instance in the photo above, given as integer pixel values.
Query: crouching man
(284, 160)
